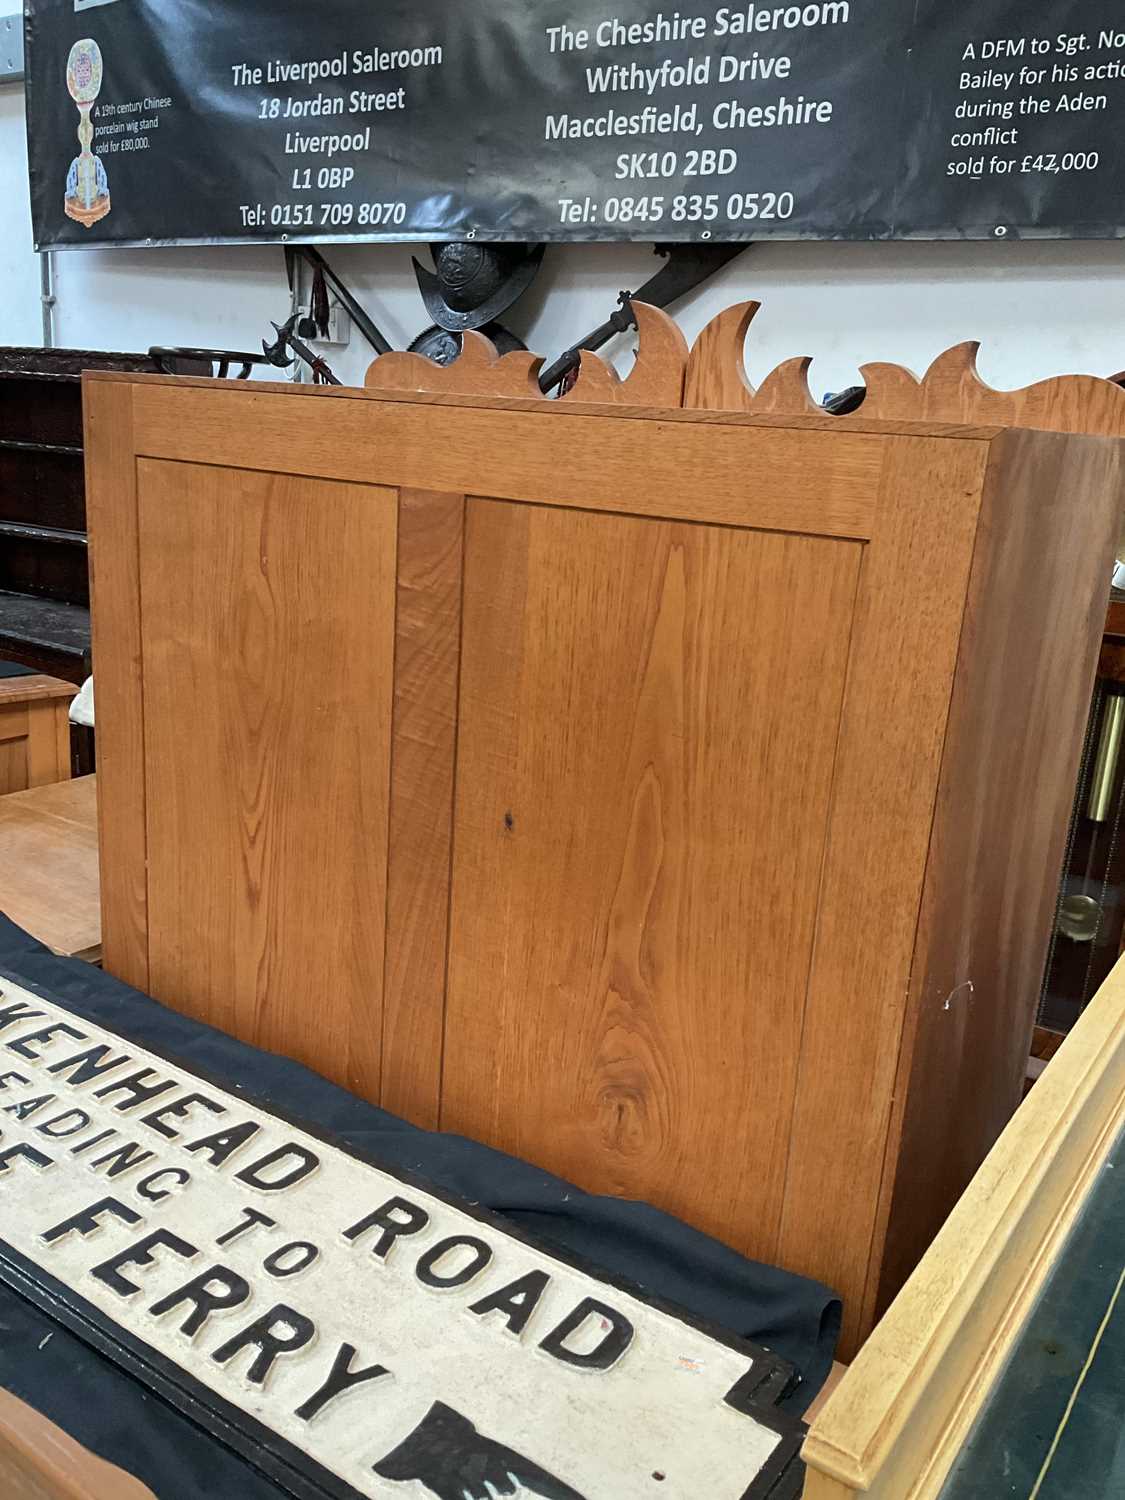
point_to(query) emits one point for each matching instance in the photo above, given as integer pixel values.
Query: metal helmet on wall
(470, 286)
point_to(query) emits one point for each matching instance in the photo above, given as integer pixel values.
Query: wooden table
(49, 865)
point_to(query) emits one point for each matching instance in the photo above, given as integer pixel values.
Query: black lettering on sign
(70, 1122)
(616, 1338)
(341, 1378)
(291, 1258)
(17, 1011)
(211, 1291)
(517, 1301)
(251, 1220)
(147, 1188)
(256, 1176)
(88, 1065)
(282, 1330)
(137, 1092)
(28, 1107)
(140, 1254)
(22, 1153)
(89, 1221)
(221, 1146)
(95, 1140)
(23, 1044)
(395, 1218)
(480, 1255)
(7, 1079)
(179, 1109)
(122, 1159)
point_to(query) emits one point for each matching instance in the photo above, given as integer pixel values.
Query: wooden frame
(938, 671)
(900, 1414)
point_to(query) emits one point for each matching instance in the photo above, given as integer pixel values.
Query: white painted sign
(377, 1338)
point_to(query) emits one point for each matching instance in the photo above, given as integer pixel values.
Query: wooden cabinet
(672, 798)
(34, 731)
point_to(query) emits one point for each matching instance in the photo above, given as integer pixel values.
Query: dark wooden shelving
(44, 584)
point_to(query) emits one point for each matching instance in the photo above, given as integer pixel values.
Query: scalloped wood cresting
(354, 1332)
(711, 376)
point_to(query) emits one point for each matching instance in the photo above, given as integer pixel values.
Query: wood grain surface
(644, 762)
(819, 421)
(656, 379)
(820, 481)
(893, 1426)
(49, 865)
(39, 1461)
(479, 369)
(1021, 694)
(716, 372)
(267, 743)
(115, 604)
(952, 390)
(693, 706)
(904, 647)
(34, 688)
(34, 731)
(427, 665)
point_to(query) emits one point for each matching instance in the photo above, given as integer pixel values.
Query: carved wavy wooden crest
(656, 379)
(951, 390)
(657, 376)
(477, 371)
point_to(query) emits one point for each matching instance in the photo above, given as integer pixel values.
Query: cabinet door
(647, 728)
(267, 641)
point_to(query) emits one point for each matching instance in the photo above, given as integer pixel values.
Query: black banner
(199, 120)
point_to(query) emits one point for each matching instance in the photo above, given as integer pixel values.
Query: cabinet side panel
(1028, 653)
(111, 511)
(648, 729)
(267, 610)
(900, 674)
(48, 742)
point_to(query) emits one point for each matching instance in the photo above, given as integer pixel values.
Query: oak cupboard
(672, 797)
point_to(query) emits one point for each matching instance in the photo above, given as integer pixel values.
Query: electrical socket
(339, 325)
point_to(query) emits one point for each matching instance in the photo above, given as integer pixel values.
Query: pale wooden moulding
(898, 1418)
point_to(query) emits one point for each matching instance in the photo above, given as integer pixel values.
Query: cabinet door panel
(267, 713)
(648, 718)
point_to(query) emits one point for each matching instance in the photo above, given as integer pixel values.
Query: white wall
(1039, 308)
(20, 320)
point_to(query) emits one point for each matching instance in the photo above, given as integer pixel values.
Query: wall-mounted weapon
(685, 268)
(471, 285)
(277, 353)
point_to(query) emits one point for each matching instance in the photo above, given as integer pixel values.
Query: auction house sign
(354, 1333)
(155, 120)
